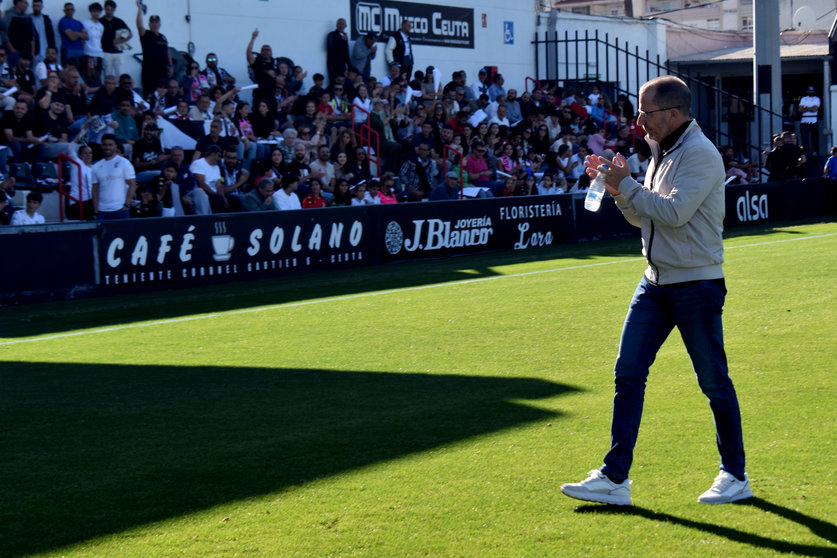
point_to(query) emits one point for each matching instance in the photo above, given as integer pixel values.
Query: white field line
(362, 295)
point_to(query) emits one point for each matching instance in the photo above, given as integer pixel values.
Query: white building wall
(298, 29)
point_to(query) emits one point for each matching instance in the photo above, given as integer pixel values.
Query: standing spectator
(73, 36)
(809, 128)
(481, 86)
(114, 40)
(20, 32)
(264, 69)
(114, 183)
(399, 48)
(216, 75)
(83, 155)
(43, 31)
(30, 215)
(681, 212)
(156, 58)
(830, 169)
(337, 51)
(95, 30)
(364, 50)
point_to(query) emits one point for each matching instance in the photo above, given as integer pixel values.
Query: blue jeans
(695, 309)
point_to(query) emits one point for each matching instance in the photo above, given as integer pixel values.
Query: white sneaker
(598, 488)
(727, 488)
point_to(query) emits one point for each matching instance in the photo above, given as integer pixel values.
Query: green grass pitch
(424, 409)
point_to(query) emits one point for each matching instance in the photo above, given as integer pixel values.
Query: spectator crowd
(64, 91)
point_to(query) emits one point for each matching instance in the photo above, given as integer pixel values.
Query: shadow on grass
(819, 527)
(46, 318)
(91, 450)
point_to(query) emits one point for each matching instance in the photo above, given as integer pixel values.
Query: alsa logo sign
(751, 208)
(432, 24)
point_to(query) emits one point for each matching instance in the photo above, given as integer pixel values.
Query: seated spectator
(207, 197)
(50, 63)
(419, 173)
(17, 127)
(259, 198)
(359, 195)
(163, 187)
(479, 172)
(315, 199)
(213, 138)
(342, 194)
(373, 189)
(148, 206)
(596, 142)
(577, 178)
(89, 74)
(323, 165)
(450, 189)
(830, 169)
(30, 215)
(126, 91)
(183, 184)
(45, 93)
(216, 75)
(52, 128)
(286, 198)
(124, 126)
(194, 83)
(158, 98)
(387, 195)
(234, 176)
(359, 167)
(104, 100)
(638, 161)
(182, 111)
(202, 109)
(148, 155)
(547, 186)
(24, 78)
(264, 124)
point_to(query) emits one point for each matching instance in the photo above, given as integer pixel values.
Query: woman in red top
(315, 198)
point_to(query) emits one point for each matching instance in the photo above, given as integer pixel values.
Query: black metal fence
(578, 61)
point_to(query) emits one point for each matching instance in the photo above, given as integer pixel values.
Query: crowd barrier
(69, 260)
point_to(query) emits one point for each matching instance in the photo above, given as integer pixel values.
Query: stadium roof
(741, 54)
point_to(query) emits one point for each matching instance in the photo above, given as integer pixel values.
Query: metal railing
(581, 60)
(367, 137)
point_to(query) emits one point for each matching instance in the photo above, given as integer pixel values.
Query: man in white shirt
(286, 198)
(95, 30)
(809, 107)
(323, 165)
(114, 183)
(501, 118)
(205, 196)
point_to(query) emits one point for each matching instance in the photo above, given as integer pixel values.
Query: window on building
(713, 24)
(747, 23)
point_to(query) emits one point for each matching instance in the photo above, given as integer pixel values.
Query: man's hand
(613, 171)
(255, 33)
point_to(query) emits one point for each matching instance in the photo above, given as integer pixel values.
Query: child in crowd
(30, 215)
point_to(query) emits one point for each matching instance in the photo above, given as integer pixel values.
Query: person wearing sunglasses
(680, 209)
(215, 74)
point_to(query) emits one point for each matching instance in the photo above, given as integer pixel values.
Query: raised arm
(250, 56)
(140, 27)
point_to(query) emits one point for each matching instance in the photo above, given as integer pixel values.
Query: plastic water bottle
(595, 193)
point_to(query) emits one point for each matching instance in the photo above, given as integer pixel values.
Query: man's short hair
(670, 91)
(94, 7)
(34, 196)
(107, 137)
(211, 150)
(110, 4)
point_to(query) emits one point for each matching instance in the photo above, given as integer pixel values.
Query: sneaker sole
(741, 496)
(595, 497)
